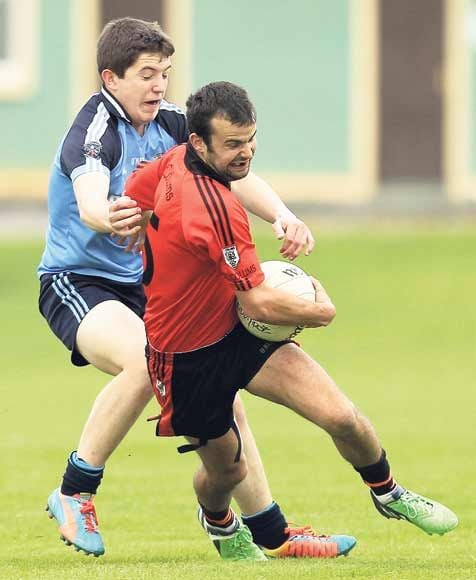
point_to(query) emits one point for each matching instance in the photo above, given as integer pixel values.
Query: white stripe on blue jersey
(115, 104)
(95, 131)
(166, 106)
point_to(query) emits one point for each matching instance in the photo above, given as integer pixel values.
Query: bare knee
(231, 474)
(345, 423)
(236, 472)
(138, 377)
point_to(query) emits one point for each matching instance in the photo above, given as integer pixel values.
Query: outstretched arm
(259, 198)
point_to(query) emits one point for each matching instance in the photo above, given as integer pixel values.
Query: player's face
(142, 88)
(231, 149)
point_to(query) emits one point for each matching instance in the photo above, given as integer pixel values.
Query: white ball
(287, 277)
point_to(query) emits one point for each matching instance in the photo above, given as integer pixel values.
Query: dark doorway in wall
(411, 55)
(144, 9)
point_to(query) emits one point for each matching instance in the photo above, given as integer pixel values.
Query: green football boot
(428, 515)
(234, 543)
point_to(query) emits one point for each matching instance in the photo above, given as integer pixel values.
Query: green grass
(403, 347)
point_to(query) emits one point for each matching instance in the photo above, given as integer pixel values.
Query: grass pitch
(403, 347)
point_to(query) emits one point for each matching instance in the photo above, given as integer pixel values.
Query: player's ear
(109, 79)
(198, 143)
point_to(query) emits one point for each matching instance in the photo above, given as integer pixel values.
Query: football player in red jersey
(200, 258)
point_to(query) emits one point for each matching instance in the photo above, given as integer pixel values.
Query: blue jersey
(103, 139)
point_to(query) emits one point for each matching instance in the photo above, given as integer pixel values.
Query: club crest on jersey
(231, 256)
(92, 149)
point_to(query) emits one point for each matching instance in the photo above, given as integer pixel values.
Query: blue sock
(84, 465)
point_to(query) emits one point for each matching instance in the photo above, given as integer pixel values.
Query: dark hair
(220, 99)
(123, 40)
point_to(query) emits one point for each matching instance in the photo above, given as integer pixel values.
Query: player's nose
(160, 86)
(247, 151)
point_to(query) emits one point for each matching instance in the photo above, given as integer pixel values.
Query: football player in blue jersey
(90, 288)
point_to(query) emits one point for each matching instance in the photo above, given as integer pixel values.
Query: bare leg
(103, 341)
(253, 493)
(218, 475)
(214, 481)
(292, 378)
(112, 338)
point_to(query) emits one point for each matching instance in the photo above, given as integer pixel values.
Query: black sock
(378, 476)
(80, 480)
(267, 527)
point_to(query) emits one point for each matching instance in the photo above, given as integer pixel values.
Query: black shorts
(66, 298)
(196, 389)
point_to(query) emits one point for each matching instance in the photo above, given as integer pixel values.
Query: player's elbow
(85, 216)
(327, 313)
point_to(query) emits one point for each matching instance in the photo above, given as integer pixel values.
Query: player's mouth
(152, 104)
(240, 164)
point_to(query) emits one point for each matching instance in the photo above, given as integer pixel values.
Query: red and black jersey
(198, 251)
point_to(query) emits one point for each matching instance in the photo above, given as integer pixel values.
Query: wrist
(286, 214)
(102, 226)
